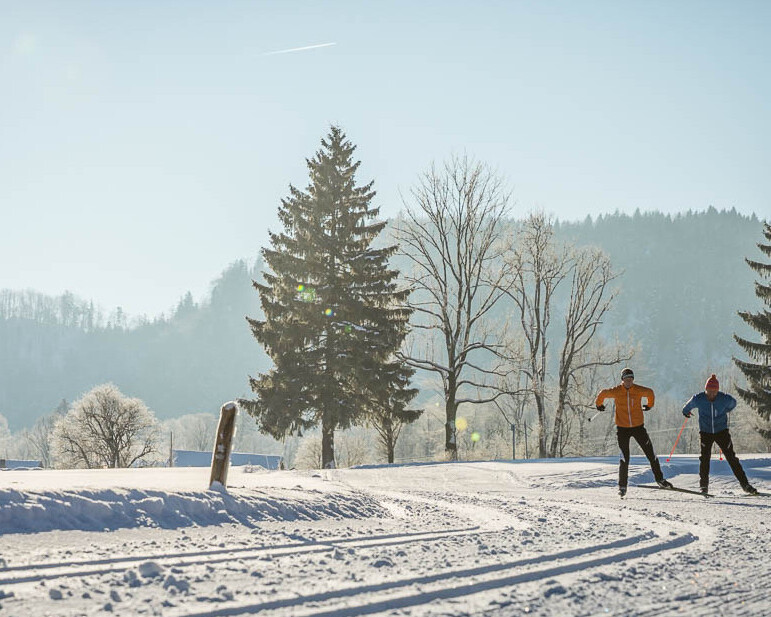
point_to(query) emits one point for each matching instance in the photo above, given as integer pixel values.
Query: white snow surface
(500, 538)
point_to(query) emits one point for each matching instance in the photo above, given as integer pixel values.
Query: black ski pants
(640, 435)
(723, 440)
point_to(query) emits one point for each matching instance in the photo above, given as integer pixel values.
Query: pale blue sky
(145, 145)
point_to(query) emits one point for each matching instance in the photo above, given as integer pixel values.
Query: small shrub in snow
(248, 468)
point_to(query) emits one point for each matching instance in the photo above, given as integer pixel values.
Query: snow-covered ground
(494, 538)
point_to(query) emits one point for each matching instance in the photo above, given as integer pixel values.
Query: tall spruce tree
(758, 370)
(334, 316)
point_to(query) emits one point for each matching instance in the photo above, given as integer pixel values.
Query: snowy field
(493, 538)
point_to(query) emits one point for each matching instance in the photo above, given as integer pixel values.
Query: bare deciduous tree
(195, 431)
(538, 267)
(512, 406)
(6, 439)
(453, 235)
(104, 428)
(388, 424)
(40, 435)
(353, 447)
(590, 299)
(308, 453)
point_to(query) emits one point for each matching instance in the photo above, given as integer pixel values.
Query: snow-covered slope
(493, 538)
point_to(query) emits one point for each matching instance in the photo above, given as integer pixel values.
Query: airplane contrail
(289, 51)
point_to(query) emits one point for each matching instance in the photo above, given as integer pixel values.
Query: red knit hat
(712, 383)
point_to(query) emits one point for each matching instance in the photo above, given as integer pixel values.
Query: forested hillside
(684, 278)
(192, 361)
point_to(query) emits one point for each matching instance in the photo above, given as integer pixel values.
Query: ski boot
(749, 489)
(664, 483)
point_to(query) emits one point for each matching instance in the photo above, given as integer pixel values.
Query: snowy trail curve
(495, 539)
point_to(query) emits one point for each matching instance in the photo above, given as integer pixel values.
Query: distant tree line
(190, 361)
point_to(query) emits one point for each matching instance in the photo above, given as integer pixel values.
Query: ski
(758, 494)
(675, 488)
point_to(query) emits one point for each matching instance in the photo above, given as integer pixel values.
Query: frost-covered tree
(352, 447)
(195, 431)
(104, 428)
(757, 369)
(40, 435)
(334, 317)
(6, 440)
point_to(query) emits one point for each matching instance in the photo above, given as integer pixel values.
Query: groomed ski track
(481, 538)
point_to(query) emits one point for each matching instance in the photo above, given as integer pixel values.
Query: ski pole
(594, 416)
(678, 439)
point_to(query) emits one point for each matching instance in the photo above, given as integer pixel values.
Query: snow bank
(93, 507)
(176, 497)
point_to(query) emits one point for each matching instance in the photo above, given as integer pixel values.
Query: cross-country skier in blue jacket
(713, 407)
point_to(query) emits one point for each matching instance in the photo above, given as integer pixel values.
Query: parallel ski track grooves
(280, 550)
(452, 590)
(722, 600)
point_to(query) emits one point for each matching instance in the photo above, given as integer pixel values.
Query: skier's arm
(651, 398)
(731, 403)
(599, 403)
(688, 406)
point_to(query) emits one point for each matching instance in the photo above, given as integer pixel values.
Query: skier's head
(627, 377)
(711, 387)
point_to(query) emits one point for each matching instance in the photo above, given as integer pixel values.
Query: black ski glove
(688, 414)
(646, 407)
(600, 407)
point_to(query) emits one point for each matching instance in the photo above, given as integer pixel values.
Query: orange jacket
(629, 411)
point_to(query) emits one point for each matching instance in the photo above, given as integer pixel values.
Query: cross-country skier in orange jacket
(630, 420)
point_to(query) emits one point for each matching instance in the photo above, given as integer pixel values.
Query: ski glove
(646, 407)
(600, 407)
(688, 414)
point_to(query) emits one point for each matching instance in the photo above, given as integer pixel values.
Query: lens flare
(348, 329)
(475, 437)
(329, 312)
(306, 294)
(461, 424)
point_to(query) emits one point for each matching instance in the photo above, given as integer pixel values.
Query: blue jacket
(713, 415)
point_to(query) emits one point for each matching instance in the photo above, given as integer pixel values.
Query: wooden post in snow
(220, 459)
